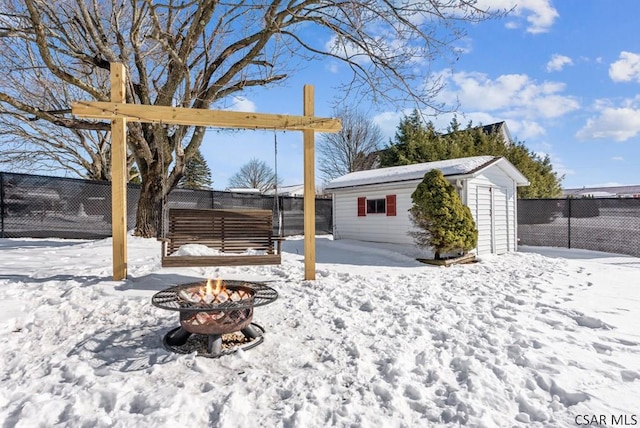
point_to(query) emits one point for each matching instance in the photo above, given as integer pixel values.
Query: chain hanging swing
(276, 199)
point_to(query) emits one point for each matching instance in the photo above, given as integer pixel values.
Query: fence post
(281, 211)
(1, 204)
(569, 224)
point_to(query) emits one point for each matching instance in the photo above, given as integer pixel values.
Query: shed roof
(451, 168)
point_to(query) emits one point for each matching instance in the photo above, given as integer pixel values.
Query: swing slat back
(229, 231)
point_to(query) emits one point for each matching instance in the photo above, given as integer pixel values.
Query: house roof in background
(294, 189)
(243, 190)
(498, 127)
(451, 168)
(611, 191)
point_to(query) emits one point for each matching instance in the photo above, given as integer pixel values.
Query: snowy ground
(536, 338)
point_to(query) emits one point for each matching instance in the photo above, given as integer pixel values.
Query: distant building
(498, 127)
(293, 190)
(247, 190)
(603, 192)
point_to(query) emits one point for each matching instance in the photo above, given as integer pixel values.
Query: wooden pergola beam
(202, 117)
(119, 113)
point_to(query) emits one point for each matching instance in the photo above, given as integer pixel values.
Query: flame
(219, 287)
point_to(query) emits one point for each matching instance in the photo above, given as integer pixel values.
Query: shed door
(500, 221)
(484, 220)
(492, 220)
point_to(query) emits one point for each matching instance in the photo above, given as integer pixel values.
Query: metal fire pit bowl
(216, 316)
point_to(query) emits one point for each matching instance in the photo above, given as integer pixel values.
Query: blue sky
(564, 75)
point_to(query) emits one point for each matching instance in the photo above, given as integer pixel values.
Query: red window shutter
(362, 207)
(391, 205)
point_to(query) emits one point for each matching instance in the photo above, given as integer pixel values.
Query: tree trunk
(149, 217)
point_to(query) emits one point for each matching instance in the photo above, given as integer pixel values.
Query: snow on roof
(294, 189)
(449, 167)
(243, 190)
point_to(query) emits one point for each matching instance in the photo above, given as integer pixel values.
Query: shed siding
(493, 210)
(491, 196)
(373, 227)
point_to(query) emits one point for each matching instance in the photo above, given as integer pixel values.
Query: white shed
(373, 205)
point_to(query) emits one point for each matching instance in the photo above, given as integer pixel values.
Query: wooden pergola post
(119, 175)
(309, 189)
(119, 113)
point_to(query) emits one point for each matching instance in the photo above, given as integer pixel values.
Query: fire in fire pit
(216, 313)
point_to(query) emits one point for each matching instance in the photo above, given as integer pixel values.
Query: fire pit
(215, 315)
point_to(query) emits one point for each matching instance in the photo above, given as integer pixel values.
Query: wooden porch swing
(242, 237)
(237, 234)
(119, 113)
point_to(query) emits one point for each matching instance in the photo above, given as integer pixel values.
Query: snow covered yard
(378, 339)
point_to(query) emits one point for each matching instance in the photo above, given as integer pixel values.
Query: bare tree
(352, 148)
(255, 174)
(194, 54)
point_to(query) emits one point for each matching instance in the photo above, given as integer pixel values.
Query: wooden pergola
(119, 113)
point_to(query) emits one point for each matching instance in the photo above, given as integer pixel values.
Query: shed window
(376, 206)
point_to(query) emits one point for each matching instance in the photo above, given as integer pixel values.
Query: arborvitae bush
(443, 223)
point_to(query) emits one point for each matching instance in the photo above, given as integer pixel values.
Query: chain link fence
(37, 206)
(52, 207)
(601, 224)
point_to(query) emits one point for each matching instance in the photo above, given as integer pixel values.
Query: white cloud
(560, 167)
(241, 104)
(539, 14)
(558, 163)
(388, 122)
(515, 98)
(558, 62)
(347, 50)
(525, 129)
(332, 67)
(512, 25)
(516, 94)
(626, 69)
(619, 124)
(617, 158)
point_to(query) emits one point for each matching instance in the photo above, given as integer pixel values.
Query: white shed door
(500, 221)
(484, 220)
(492, 220)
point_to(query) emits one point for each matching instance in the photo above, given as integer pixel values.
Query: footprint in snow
(367, 307)
(591, 322)
(629, 375)
(625, 342)
(601, 348)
